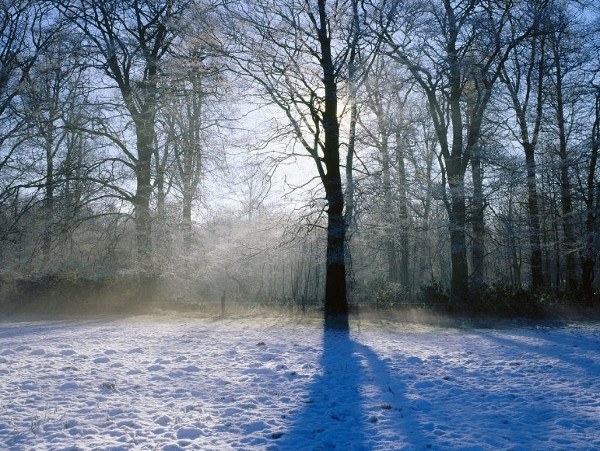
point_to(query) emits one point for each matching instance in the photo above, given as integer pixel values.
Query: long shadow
(361, 400)
(394, 402)
(14, 329)
(562, 388)
(332, 417)
(341, 410)
(554, 347)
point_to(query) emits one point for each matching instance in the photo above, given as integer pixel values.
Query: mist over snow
(215, 384)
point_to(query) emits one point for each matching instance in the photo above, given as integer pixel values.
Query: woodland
(311, 155)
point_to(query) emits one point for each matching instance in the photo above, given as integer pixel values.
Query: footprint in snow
(188, 433)
(101, 360)
(163, 420)
(109, 386)
(414, 360)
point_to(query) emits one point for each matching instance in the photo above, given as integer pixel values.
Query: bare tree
(564, 91)
(589, 252)
(524, 80)
(451, 58)
(128, 40)
(296, 52)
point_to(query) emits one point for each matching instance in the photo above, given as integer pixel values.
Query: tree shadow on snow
(15, 329)
(353, 404)
(549, 347)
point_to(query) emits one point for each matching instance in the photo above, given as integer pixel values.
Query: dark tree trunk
(350, 165)
(335, 285)
(404, 275)
(588, 257)
(191, 160)
(143, 220)
(353, 83)
(570, 242)
(459, 286)
(537, 273)
(187, 220)
(336, 303)
(455, 168)
(478, 243)
(48, 195)
(533, 83)
(388, 208)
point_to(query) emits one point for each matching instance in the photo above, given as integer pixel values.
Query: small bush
(502, 301)
(433, 296)
(391, 295)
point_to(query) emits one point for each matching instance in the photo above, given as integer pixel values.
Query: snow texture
(271, 384)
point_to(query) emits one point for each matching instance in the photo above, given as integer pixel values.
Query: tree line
(452, 146)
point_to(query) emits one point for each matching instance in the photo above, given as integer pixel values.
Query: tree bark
(535, 258)
(566, 202)
(535, 68)
(404, 274)
(48, 191)
(459, 285)
(143, 219)
(588, 257)
(336, 303)
(478, 240)
(393, 274)
(455, 167)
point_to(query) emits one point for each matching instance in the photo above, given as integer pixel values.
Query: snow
(181, 383)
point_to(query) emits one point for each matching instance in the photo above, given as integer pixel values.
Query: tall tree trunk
(352, 87)
(478, 240)
(350, 220)
(557, 256)
(588, 257)
(459, 285)
(532, 82)
(566, 202)
(388, 209)
(187, 220)
(161, 192)
(48, 194)
(404, 276)
(336, 303)
(514, 251)
(456, 167)
(535, 258)
(143, 220)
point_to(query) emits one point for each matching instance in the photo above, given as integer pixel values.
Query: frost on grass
(200, 384)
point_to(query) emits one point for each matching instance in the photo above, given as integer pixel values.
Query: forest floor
(172, 382)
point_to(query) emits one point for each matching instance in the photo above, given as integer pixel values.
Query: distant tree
(566, 86)
(589, 251)
(53, 99)
(455, 52)
(523, 76)
(23, 37)
(127, 41)
(192, 109)
(385, 125)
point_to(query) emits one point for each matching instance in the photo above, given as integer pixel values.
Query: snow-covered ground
(176, 383)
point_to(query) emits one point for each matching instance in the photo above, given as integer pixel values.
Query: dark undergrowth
(133, 294)
(497, 301)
